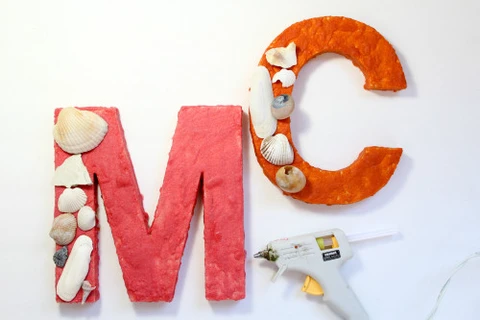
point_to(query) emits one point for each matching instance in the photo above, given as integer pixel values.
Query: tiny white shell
(71, 200)
(75, 269)
(277, 150)
(286, 77)
(87, 288)
(261, 97)
(86, 218)
(64, 228)
(284, 57)
(79, 131)
(72, 172)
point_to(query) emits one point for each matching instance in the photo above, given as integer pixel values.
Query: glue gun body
(319, 255)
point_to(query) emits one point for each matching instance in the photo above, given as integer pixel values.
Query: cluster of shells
(266, 110)
(76, 132)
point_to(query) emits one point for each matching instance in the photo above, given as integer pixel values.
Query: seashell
(261, 97)
(71, 200)
(282, 106)
(277, 150)
(64, 228)
(286, 77)
(60, 257)
(72, 172)
(79, 131)
(290, 179)
(87, 288)
(86, 218)
(76, 269)
(284, 57)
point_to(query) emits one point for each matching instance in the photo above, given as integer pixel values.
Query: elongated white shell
(284, 57)
(72, 172)
(86, 218)
(76, 269)
(286, 77)
(277, 150)
(261, 97)
(79, 131)
(71, 200)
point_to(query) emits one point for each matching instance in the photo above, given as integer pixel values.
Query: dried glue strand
(445, 285)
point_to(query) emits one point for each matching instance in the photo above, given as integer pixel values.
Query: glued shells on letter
(86, 218)
(76, 269)
(284, 57)
(282, 106)
(277, 150)
(286, 77)
(79, 131)
(290, 179)
(71, 200)
(72, 172)
(261, 97)
(87, 288)
(64, 229)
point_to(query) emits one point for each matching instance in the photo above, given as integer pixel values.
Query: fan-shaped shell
(79, 131)
(286, 77)
(76, 269)
(71, 200)
(64, 229)
(261, 97)
(86, 218)
(277, 150)
(284, 57)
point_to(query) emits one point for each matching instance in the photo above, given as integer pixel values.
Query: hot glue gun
(320, 255)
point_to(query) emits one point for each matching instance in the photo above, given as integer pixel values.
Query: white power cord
(445, 285)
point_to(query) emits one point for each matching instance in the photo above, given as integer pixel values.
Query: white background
(148, 58)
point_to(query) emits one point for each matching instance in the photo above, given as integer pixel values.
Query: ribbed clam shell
(86, 218)
(286, 77)
(71, 200)
(64, 228)
(72, 172)
(284, 57)
(277, 150)
(290, 179)
(79, 131)
(76, 269)
(261, 97)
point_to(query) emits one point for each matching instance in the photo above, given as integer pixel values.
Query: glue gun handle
(339, 296)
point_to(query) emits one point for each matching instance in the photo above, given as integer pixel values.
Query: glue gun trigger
(281, 270)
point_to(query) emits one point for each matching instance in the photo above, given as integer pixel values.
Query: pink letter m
(207, 148)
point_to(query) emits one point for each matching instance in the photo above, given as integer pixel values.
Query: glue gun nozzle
(261, 254)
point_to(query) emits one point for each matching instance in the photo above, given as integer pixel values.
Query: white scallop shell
(86, 218)
(64, 228)
(286, 77)
(284, 57)
(75, 269)
(87, 288)
(79, 131)
(72, 172)
(277, 150)
(71, 200)
(261, 97)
